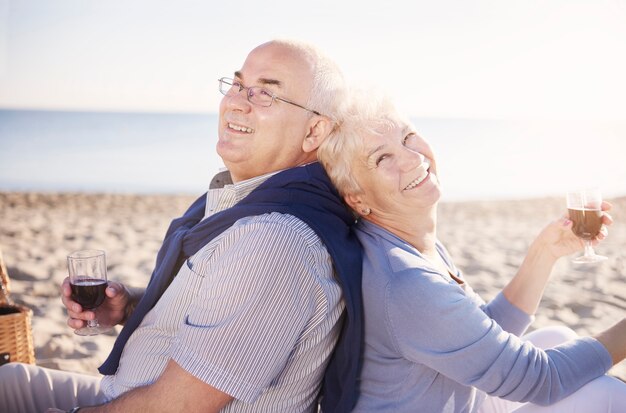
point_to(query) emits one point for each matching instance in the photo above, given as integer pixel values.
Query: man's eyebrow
(263, 80)
(274, 82)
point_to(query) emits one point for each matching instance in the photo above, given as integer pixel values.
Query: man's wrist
(133, 299)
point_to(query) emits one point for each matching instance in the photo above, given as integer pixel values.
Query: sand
(487, 240)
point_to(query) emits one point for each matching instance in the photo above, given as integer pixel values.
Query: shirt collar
(219, 199)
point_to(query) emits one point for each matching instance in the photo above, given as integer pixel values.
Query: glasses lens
(226, 85)
(260, 96)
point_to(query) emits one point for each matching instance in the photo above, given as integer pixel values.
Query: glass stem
(589, 249)
(92, 323)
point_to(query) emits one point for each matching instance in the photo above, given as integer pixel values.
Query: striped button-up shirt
(255, 313)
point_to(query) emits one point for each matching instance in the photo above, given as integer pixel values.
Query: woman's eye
(409, 139)
(381, 158)
(237, 84)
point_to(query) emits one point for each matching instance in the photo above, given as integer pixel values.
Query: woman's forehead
(389, 127)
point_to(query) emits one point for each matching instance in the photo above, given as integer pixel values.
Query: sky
(547, 59)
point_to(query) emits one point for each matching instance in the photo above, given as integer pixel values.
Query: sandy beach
(488, 241)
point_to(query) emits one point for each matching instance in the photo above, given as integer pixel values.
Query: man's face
(255, 140)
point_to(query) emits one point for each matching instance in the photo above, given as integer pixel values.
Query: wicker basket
(16, 338)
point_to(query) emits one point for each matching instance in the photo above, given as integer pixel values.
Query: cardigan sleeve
(508, 316)
(434, 323)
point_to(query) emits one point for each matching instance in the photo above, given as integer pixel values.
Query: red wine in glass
(88, 292)
(88, 281)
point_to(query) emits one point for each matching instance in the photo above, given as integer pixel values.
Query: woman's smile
(424, 173)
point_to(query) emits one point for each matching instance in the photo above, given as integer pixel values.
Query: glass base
(92, 331)
(589, 259)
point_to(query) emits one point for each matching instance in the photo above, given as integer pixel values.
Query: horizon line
(122, 111)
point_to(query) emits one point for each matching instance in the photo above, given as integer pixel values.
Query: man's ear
(319, 129)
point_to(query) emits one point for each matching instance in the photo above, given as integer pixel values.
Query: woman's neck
(419, 229)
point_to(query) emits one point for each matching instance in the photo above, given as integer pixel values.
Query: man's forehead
(273, 64)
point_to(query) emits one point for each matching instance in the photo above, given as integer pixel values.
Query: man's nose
(237, 100)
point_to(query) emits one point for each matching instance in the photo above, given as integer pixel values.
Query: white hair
(367, 113)
(328, 89)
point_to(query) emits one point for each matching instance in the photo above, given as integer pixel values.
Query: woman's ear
(319, 129)
(354, 202)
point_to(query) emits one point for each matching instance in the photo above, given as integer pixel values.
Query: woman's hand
(111, 312)
(558, 240)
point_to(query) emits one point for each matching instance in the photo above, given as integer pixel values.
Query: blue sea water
(106, 152)
(175, 153)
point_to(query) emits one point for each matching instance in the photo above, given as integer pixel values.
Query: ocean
(478, 159)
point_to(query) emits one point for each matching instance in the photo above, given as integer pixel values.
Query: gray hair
(328, 89)
(367, 113)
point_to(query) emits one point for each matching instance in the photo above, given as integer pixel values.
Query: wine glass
(585, 211)
(88, 280)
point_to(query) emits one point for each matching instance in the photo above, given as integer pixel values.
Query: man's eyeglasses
(256, 95)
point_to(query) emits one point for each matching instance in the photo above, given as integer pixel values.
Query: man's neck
(237, 179)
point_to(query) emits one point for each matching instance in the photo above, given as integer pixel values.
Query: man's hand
(111, 312)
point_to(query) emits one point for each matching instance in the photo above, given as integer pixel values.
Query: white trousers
(602, 395)
(25, 388)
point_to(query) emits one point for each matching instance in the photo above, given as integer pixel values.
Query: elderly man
(254, 286)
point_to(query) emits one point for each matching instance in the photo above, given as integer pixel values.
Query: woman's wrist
(540, 253)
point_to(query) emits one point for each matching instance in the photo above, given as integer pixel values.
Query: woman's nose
(411, 159)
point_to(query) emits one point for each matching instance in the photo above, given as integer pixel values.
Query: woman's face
(397, 174)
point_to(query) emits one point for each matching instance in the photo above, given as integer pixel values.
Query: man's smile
(240, 128)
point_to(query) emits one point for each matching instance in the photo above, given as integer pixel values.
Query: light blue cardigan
(432, 345)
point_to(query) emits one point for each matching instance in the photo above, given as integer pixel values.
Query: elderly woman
(431, 343)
